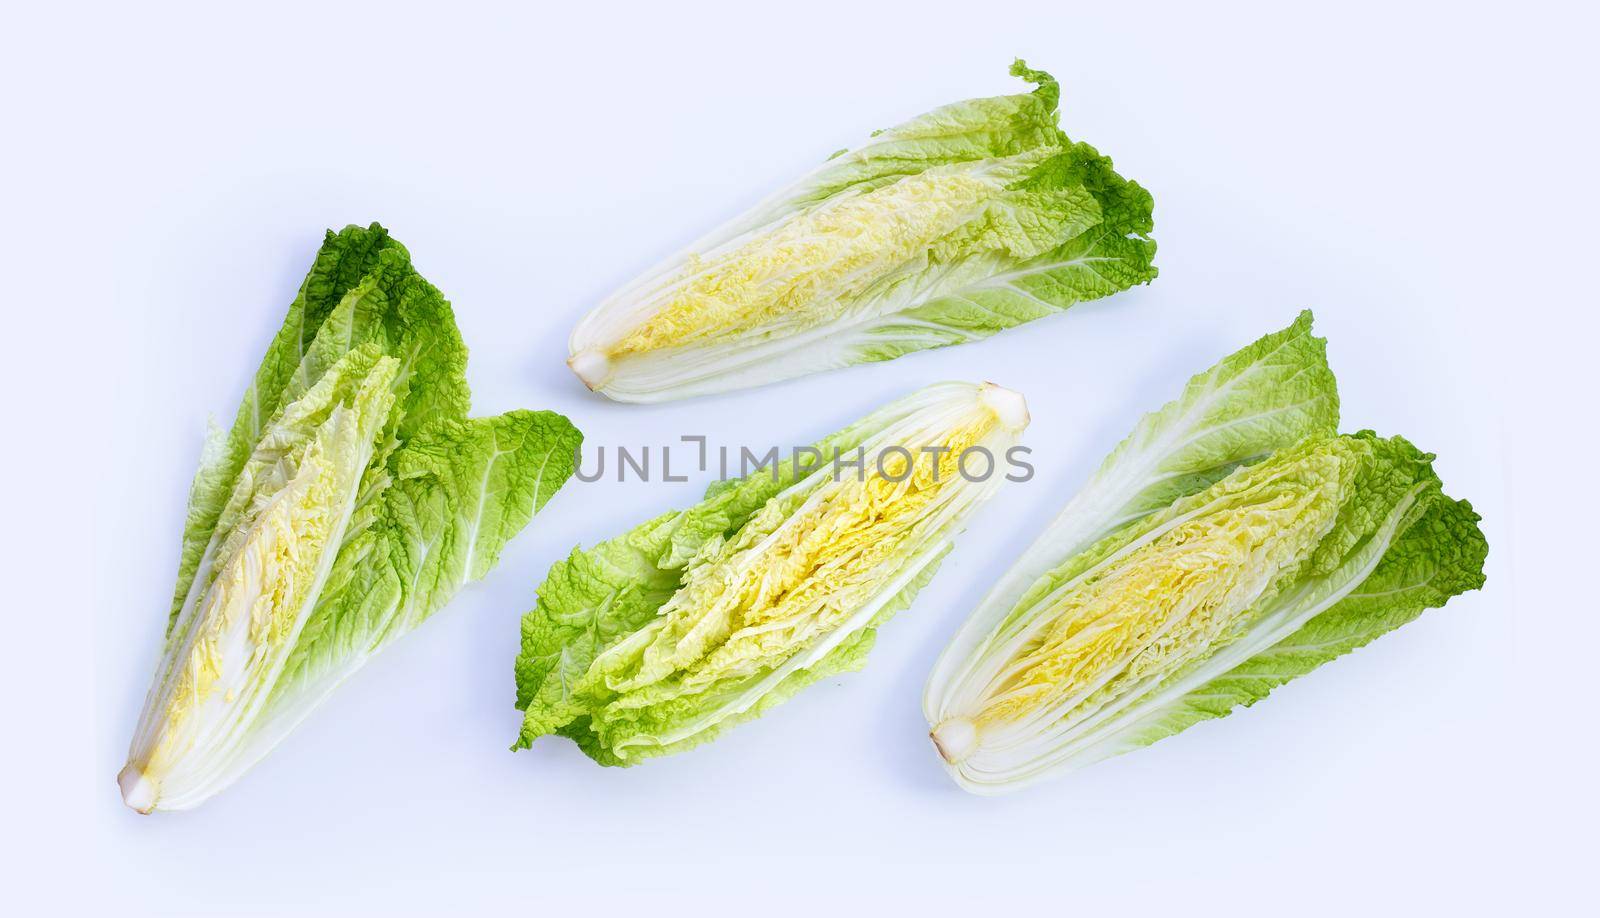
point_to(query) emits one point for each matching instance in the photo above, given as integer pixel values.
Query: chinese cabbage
(351, 498)
(662, 638)
(1233, 542)
(972, 218)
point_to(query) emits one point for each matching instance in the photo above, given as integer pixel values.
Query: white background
(1422, 177)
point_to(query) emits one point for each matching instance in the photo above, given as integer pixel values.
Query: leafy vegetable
(972, 218)
(1192, 575)
(350, 500)
(700, 619)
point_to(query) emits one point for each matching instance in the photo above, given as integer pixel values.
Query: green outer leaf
(1266, 396)
(973, 129)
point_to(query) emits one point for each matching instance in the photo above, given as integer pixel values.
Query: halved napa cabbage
(969, 219)
(1124, 624)
(663, 637)
(349, 501)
